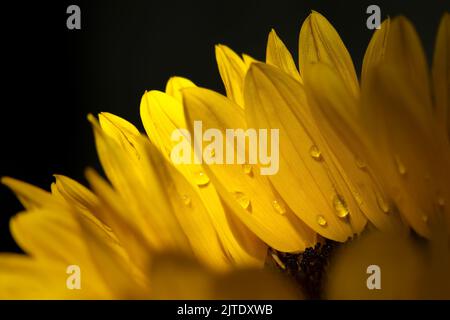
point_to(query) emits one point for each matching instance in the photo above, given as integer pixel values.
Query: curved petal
(337, 114)
(232, 70)
(441, 74)
(176, 84)
(56, 235)
(319, 42)
(278, 55)
(404, 53)
(376, 50)
(162, 115)
(249, 194)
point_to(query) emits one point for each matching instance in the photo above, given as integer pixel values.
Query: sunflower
(354, 156)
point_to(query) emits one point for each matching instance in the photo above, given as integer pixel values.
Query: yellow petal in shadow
(177, 277)
(338, 115)
(441, 74)
(376, 50)
(404, 146)
(404, 53)
(397, 259)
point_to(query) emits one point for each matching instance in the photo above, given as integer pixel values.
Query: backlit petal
(249, 195)
(278, 55)
(319, 42)
(232, 70)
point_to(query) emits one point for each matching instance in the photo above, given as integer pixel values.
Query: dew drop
(242, 199)
(279, 207)
(315, 153)
(340, 206)
(425, 218)
(360, 163)
(248, 168)
(201, 179)
(321, 221)
(358, 198)
(400, 166)
(186, 200)
(382, 204)
(441, 201)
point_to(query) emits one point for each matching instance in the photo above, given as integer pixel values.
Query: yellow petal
(405, 54)
(176, 84)
(319, 42)
(399, 260)
(25, 278)
(175, 204)
(248, 60)
(250, 196)
(136, 177)
(128, 226)
(122, 131)
(308, 179)
(30, 196)
(337, 114)
(441, 74)
(85, 202)
(177, 277)
(232, 70)
(122, 277)
(403, 146)
(75, 193)
(162, 115)
(51, 234)
(278, 55)
(376, 49)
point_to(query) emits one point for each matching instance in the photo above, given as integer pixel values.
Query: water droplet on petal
(340, 206)
(441, 201)
(247, 169)
(186, 200)
(384, 206)
(279, 207)
(400, 166)
(201, 179)
(242, 199)
(315, 153)
(425, 218)
(321, 221)
(360, 163)
(358, 198)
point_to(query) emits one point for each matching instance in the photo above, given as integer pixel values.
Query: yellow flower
(350, 154)
(395, 124)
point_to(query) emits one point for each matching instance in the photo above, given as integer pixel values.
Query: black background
(53, 77)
